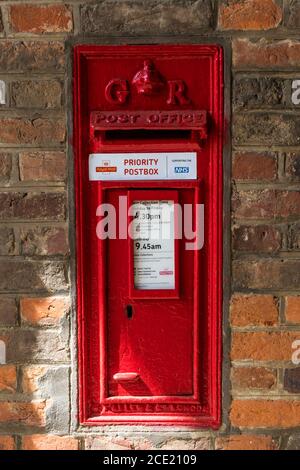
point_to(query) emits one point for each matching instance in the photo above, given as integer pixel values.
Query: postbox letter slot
(147, 134)
(129, 311)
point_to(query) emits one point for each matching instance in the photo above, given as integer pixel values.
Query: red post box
(148, 125)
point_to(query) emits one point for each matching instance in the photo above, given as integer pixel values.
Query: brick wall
(262, 395)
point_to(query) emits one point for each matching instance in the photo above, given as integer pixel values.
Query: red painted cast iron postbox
(148, 125)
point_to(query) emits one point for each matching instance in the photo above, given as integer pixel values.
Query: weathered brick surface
(266, 129)
(254, 166)
(160, 442)
(246, 442)
(8, 378)
(292, 308)
(42, 94)
(44, 310)
(20, 275)
(292, 14)
(26, 345)
(249, 14)
(32, 205)
(253, 310)
(5, 167)
(265, 54)
(31, 56)
(35, 131)
(49, 442)
(266, 203)
(40, 18)
(44, 241)
(266, 274)
(7, 241)
(258, 92)
(294, 236)
(8, 311)
(42, 166)
(245, 378)
(263, 345)
(293, 442)
(7, 443)
(146, 16)
(292, 167)
(260, 238)
(30, 414)
(291, 382)
(265, 413)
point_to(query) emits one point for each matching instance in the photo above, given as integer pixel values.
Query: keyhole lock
(129, 311)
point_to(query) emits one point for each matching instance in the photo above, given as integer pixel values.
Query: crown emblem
(148, 81)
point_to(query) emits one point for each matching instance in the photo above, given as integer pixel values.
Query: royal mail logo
(106, 169)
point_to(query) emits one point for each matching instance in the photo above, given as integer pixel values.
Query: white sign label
(154, 247)
(142, 166)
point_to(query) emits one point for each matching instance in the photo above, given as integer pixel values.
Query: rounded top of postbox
(148, 81)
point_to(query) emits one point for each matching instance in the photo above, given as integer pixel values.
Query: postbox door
(151, 298)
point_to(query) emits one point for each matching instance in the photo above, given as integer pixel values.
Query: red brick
(42, 166)
(256, 238)
(44, 241)
(8, 378)
(256, 378)
(40, 18)
(246, 442)
(42, 94)
(265, 413)
(254, 166)
(292, 308)
(44, 310)
(37, 131)
(263, 346)
(7, 443)
(249, 14)
(253, 310)
(265, 54)
(49, 442)
(31, 413)
(32, 377)
(267, 203)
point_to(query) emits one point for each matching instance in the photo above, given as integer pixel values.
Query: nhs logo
(182, 169)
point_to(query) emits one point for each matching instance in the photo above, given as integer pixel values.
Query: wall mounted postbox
(148, 126)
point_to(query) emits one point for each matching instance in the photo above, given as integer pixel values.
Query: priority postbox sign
(142, 166)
